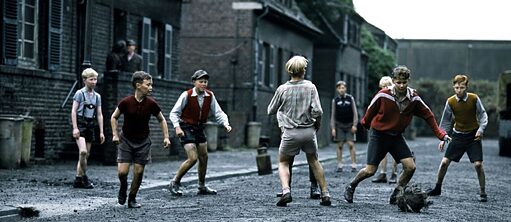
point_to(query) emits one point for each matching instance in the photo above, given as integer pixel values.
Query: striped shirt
(296, 104)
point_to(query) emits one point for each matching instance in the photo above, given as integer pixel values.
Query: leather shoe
(483, 198)
(435, 192)
(206, 191)
(393, 178)
(133, 204)
(382, 178)
(175, 189)
(315, 194)
(348, 193)
(325, 201)
(393, 199)
(286, 198)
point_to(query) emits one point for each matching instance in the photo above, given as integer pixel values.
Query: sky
(439, 19)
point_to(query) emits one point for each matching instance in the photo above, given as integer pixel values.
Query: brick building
(338, 56)
(46, 43)
(244, 46)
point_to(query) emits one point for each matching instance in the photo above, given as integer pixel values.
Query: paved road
(252, 198)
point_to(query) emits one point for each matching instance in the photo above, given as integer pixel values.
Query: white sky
(439, 19)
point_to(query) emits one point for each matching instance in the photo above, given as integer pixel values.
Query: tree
(380, 62)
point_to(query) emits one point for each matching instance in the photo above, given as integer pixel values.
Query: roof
(293, 14)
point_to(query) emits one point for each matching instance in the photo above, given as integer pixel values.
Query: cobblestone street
(247, 196)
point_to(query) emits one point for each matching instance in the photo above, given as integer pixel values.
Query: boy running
(134, 142)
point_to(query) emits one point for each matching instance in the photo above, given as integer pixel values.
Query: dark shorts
(381, 143)
(193, 134)
(464, 142)
(86, 127)
(134, 151)
(344, 135)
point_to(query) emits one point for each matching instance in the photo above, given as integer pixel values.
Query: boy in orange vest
(467, 113)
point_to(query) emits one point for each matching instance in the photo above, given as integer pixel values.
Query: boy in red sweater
(388, 115)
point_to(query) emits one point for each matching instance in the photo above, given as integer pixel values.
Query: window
(353, 33)
(55, 33)
(31, 33)
(157, 48)
(9, 35)
(27, 11)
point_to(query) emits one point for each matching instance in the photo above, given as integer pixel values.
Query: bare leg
(408, 171)
(202, 151)
(122, 172)
(394, 166)
(442, 170)
(138, 174)
(480, 175)
(191, 152)
(367, 171)
(383, 165)
(83, 148)
(353, 154)
(317, 169)
(339, 154)
(284, 174)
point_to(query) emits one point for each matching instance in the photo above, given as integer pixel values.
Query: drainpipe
(256, 63)
(88, 37)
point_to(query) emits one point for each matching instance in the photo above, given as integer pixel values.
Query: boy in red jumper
(467, 113)
(388, 115)
(188, 117)
(134, 141)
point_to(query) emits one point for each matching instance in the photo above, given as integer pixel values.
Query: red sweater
(383, 114)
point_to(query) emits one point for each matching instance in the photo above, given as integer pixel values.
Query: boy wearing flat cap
(188, 116)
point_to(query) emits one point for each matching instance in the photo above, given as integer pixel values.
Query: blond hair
(89, 72)
(385, 81)
(296, 65)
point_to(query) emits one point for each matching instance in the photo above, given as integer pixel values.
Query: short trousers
(464, 142)
(295, 139)
(86, 127)
(381, 143)
(134, 151)
(344, 135)
(193, 134)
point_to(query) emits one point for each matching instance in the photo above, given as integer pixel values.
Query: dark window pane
(29, 50)
(29, 14)
(29, 32)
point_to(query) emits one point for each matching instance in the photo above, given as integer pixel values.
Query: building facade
(45, 44)
(244, 47)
